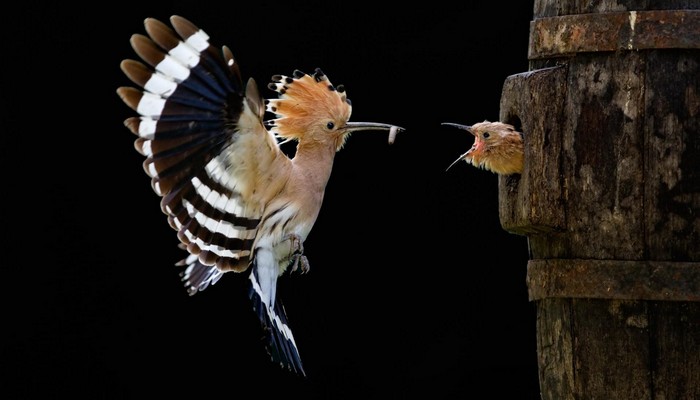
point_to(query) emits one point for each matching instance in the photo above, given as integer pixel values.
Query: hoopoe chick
(237, 202)
(497, 147)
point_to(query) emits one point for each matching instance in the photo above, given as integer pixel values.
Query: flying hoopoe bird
(237, 202)
(497, 147)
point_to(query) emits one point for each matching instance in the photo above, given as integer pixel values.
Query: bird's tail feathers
(280, 342)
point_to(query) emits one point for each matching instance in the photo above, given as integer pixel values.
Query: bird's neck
(316, 161)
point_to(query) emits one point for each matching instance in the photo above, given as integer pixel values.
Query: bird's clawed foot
(299, 260)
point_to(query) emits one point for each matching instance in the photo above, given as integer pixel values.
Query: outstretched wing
(206, 147)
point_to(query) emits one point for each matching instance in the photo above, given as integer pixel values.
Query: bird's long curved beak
(462, 157)
(467, 128)
(374, 126)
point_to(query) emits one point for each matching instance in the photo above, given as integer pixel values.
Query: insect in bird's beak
(374, 126)
(467, 128)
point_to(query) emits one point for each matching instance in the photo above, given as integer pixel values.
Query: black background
(414, 286)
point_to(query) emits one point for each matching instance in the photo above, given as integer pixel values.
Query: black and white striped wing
(191, 128)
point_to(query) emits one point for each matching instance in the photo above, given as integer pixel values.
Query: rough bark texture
(610, 198)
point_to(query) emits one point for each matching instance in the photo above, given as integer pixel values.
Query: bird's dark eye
(330, 125)
(486, 135)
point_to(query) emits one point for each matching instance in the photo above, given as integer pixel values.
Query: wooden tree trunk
(610, 196)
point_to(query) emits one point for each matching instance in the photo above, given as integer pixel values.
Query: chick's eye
(486, 135)
(330, 125)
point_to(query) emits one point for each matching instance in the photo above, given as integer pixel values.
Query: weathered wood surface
(610, 201)
(612, 157)
(618, 349)
(614, 279)
(538, 203)
(553, 8)
(612, 31)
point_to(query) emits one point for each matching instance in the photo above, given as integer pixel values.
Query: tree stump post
(610, 196)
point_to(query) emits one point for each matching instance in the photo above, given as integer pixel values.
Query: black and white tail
(280, 342)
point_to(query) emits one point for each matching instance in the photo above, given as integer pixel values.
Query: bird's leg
(298, 259)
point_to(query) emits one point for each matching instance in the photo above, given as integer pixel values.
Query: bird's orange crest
(305, 100)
